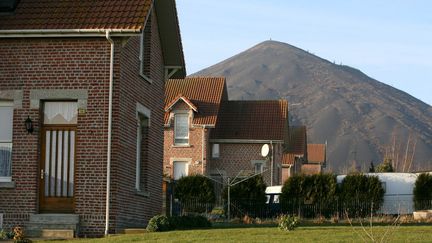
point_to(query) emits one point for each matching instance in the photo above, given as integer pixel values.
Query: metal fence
(240, 208)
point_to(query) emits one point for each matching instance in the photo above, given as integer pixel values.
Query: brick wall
(130, 208)
(193, 152)
(83, 63)
(33, 64)
(236, 157)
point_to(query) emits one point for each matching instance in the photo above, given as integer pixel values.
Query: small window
(6, 126)
(215, 151)
(259, 168)
(142, 154)
(180, 169)
(181, 129)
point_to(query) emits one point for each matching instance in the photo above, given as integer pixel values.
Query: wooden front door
(57, 165)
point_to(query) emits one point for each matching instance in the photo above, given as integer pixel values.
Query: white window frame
(175, 129)
(262, 163)
(215, 151)
(141, 111)
(7, 104)
(187, 162)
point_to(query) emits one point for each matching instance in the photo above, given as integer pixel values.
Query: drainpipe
(271, 169)
(202, 149)
(108, 182)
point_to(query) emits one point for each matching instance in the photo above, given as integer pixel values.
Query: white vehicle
(398, 187)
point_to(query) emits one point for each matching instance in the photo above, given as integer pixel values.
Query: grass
(272, 234)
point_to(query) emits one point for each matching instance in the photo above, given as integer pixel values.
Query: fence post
(229, 200)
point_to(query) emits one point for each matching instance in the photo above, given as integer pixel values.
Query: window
(145, 50)
(259, 168)
(6, 122)
(180, 169)
(215, 151)
(181, 129)
(141, 183)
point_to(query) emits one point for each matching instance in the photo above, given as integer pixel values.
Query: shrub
(195, 188)
(247, 196)
(194, 192)
(288, 223)
(159, 223)
(189, 222)
(314, 189)
(423, 191)
(360, 194)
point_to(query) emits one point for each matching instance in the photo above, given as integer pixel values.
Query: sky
(389, 40)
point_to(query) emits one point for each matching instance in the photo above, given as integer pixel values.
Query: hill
(361, 118)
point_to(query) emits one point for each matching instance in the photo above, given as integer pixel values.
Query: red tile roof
(252, 120)
(77, 14)
(316, 153)
(311, 169)
(206, 93)
(297, 140)
(169, 106)
(288, 159)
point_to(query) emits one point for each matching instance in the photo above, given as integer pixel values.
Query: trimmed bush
(314, 189)
(247, 196)
(195, 188)
(159, 223)
(423, 192)
(189, 222)
(361, 194)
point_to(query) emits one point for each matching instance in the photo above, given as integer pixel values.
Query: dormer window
(181, 129)
(145, 52)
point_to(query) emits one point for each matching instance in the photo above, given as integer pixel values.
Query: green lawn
(272, 234)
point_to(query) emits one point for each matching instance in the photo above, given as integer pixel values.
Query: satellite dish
(265, 149)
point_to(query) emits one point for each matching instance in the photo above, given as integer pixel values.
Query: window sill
(9, 184)
(142, 193)
(181, 146)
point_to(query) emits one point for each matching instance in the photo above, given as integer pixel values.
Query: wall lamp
(29, 125)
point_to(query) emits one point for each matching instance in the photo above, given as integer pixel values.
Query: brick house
(295, 153)
(81, 111)
(205, 133)
(317, 159)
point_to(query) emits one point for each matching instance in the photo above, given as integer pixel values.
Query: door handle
(42, 174)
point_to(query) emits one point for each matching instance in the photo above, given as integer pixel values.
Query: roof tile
(252, 120)
(316, 153)
(206, 93)
(77, 14)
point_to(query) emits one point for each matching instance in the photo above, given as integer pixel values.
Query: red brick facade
(82, 64)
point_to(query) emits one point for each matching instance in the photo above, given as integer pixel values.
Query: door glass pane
(47, 160)
(180, 170)
(65, 163)
(60, 113)
(59, 163)
(71, 163)
(53, 156)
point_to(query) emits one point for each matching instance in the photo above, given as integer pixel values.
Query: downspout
(202, 149)
(108, 182)
(271, 167)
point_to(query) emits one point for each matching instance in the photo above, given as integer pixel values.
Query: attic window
(145, 53)
(7, 6)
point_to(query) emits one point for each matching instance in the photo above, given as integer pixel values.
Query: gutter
(111, 81)
(50, 33)
(202, 149)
